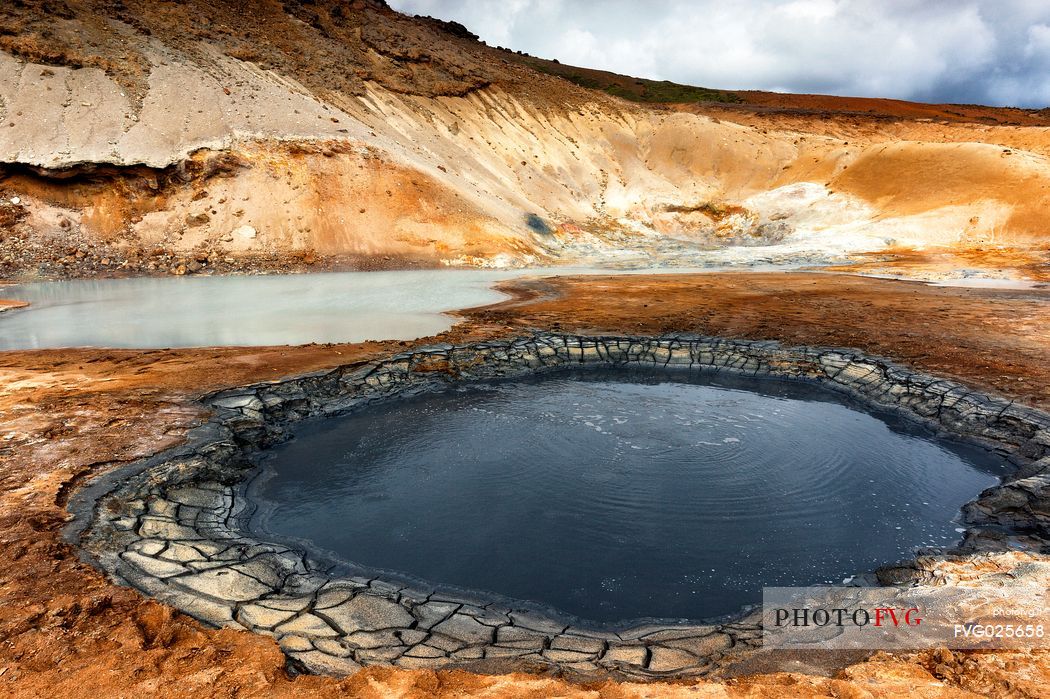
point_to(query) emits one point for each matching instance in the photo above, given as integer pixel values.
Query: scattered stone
(262, 617)
(472, 653)
(625, 655)
(566, 656)
(424, 651)
(334, 595)
(379, 655)
(323, 662)
(431, 613)
(579, 644)
(465, 628)
(182, 553)
(669, 659)
(338, 649)
(703, 646)
(157, 528)
(374, 639)
(225, 584)
(197, 606)
(447, 643)
(247, 400)
(153, 566)
(295, 644)
(504, 652)
(308, 625)
(367, 612)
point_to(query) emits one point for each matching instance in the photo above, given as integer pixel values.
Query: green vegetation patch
(634, 89)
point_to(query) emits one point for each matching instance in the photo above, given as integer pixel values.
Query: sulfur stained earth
(212, 137)
(68, 415)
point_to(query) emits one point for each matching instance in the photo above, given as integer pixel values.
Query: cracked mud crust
(75, 415)
(175, 526)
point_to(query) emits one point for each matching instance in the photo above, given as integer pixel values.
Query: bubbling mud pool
(620, 494)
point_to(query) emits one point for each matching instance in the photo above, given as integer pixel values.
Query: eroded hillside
(186, 137)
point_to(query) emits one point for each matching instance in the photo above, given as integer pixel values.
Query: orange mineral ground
(69, 415)
(203, 137)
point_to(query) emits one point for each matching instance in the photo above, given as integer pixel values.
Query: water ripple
(633, 495)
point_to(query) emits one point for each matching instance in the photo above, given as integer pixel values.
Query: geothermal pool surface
(619, 495)
(257, 311)
(260, 310)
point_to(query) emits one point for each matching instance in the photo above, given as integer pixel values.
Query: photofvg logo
(840, 616)
(855, 618)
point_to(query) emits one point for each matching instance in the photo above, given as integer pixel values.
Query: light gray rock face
(55, 116)
(176, 526)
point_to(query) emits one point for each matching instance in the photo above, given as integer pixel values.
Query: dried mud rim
(176, 525)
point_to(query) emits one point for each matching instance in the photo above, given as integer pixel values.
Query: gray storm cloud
(983, 51)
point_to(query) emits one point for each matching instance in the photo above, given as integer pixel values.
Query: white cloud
(811, 9)
(992, 51)
(1038, 45)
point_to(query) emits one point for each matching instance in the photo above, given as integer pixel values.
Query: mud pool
(247, 310)
(613, 495)
(262, 310)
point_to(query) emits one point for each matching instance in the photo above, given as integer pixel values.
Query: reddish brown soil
(67, 415)
(897, 109)
(1033, 265)
(9, 304)
(997, 339)
(788, 103)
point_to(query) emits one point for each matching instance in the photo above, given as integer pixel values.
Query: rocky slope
(185, 137)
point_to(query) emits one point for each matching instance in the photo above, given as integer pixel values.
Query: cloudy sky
(983, 51)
